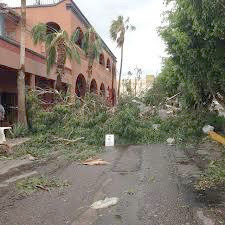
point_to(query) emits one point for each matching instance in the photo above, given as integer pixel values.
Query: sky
(143, 48)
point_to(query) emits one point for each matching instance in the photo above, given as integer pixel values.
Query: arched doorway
(93, 87)
(102, 90)
(53, 27)
(80, 36)
(80, 86)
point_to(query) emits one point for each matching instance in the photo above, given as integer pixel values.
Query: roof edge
(75, 9)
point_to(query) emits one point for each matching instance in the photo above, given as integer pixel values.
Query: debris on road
(216, 137)
(170, 141)
(95, 162)
(105, 203)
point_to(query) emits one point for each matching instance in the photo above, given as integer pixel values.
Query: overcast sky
(143, 48)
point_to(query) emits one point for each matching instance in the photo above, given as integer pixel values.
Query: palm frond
(72, 51)
(51, 58)
(132, 28)
(38, 33)
(75, 36)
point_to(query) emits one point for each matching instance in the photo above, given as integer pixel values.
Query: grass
(32, 184)
(213, 177)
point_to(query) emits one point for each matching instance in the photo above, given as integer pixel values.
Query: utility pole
(22, 118)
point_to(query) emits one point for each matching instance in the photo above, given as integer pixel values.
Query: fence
(16, 3)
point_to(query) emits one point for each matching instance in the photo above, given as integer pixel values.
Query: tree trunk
(61, 61)
(113, 97)
(22, 118)
(121, 68)
(89, 72)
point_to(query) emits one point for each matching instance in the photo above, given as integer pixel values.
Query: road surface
(144, 179)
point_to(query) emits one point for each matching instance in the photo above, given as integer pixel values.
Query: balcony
(13, 3)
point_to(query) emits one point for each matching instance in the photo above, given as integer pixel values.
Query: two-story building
(58, 14)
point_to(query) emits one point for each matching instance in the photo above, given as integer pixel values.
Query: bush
(19, 130)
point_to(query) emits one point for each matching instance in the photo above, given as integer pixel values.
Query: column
(32, 81)
(2, 25)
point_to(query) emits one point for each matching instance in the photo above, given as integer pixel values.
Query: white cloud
(143, 48)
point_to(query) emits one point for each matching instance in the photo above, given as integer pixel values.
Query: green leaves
(59, 46)
(91, 44)
(194, 33)
(118, 29)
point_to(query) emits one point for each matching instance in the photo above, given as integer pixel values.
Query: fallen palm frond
(95, 162)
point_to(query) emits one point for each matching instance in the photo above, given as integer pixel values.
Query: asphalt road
(142, 177)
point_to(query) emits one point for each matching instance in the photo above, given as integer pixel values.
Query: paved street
(142, 177)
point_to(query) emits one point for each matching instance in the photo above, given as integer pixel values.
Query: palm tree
(22, 118)
(58, 46)
(92, 46)
(118, 29)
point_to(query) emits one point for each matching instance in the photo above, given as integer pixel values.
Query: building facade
(57, 14)
(136, 86)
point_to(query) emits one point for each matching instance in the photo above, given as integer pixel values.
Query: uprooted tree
(194, 33)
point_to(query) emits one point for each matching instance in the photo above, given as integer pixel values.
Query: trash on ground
(170, 141)
(30, 157)
(216, 137)
(156, 126)
(95, 162)
(105, 203)
(206, 129)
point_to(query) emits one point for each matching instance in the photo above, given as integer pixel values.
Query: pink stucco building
(60, 14)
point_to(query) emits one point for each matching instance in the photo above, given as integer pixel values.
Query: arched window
(80, 86)
(93, 87)
(53, 27)
(102, 60)
(80, 37)
(108, 65)
(102, 90)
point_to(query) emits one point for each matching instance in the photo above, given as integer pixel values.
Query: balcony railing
(13, 3)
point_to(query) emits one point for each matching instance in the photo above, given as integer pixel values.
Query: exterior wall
(141, 85)
(35, 55)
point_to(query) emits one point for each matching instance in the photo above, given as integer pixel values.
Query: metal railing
(16, 3)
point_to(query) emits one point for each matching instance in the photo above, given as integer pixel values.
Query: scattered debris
(95, 162)
(216, 137)
(164, 114)
(207, 128)
(42, 188)
(156, 126)
(68, 141)
(30, 157)
(203, 219)
(105, 203)
(170, 141)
